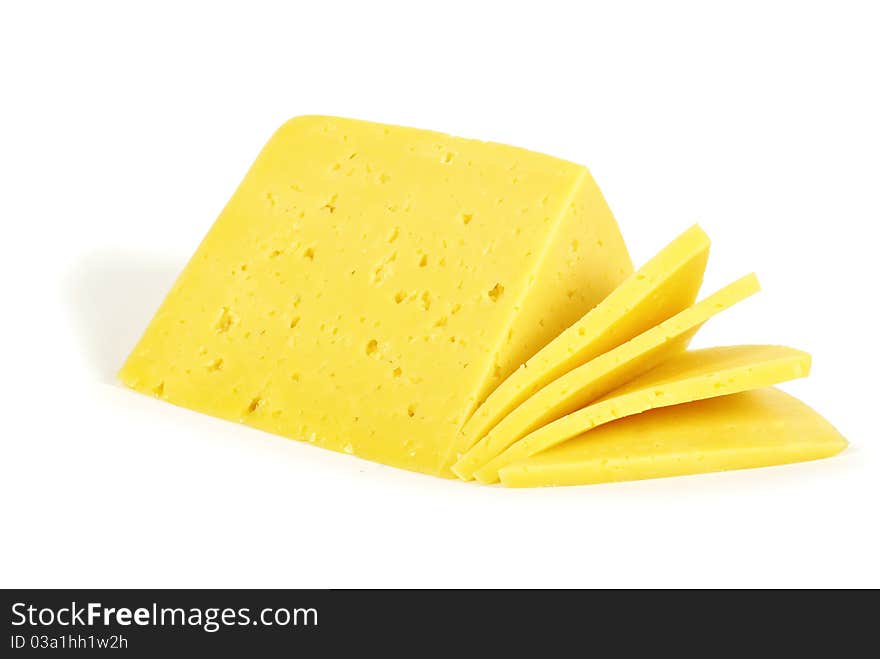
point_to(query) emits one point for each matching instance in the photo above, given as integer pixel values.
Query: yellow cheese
(367, 284)
(610, 370)
(751, 429)
(664, 286)
(582, 266)
(684, 378)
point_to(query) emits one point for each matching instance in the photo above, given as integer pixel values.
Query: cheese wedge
(367, 286)
(687, 377)
(664, 286)
(610, 370)
(751, 429)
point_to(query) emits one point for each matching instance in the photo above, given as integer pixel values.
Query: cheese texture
(367, 286)
(664, 286)
(751, 429)
(687, 377)
(606, 372)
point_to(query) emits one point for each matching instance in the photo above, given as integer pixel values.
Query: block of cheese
(664, 286)
(687, 377)
(612, 369)
(751, 429)
(367, 286)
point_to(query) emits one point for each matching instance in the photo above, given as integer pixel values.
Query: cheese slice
(687, 377)
(367, 285)
(751, 429)
(610, 370)
(664, 286)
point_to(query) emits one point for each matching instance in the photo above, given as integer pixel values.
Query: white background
(124, 127)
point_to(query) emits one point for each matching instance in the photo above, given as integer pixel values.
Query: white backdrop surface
(124, 128)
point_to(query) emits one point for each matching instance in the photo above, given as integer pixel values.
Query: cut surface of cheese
(582, 385)
(756, 428)
(582, 266)
(686, 377)
(367, 284)
(664, 286)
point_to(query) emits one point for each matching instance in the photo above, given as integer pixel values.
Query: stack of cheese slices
(463, 309)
